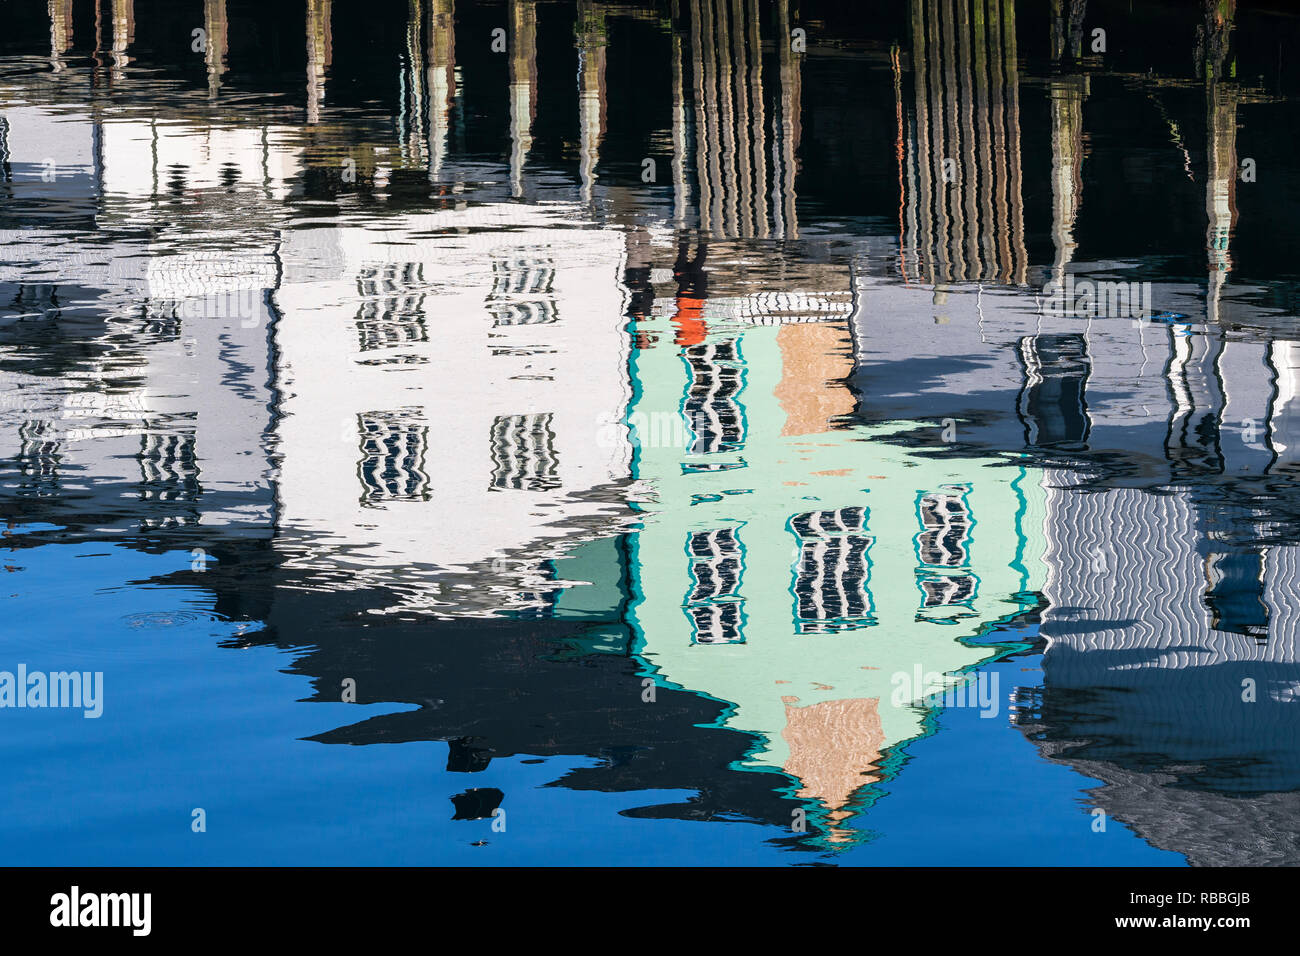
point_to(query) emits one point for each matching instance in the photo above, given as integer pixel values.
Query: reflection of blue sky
(976, 793)
(188, 724)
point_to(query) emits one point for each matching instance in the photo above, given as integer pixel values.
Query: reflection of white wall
(404, 327)
(39, 134)
(1285, 420)
(141, 157)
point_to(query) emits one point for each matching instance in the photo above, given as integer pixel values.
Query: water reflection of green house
(792, 565)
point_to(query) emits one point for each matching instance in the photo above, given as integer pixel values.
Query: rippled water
(685, 433)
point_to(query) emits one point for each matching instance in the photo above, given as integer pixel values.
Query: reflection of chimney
(523, 85)
(442, 80)
(816, 359)
(963, 204)
(214, 24)
(123, 34)
(591, 91)
(319, 53)
(1221, 133)
(60, 31)
(833, 746)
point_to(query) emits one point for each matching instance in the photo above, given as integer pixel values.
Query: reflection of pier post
(523, 86)
(790, 128)
(411, 116)
(679, 123)
(1221, 136)
(1067, 94)
(963, 215)
(591, 92)
(441, 84)
(319, 53)
(215, 26)
(60, 32)
(731, 127)
(123, 35)
(1067, 28)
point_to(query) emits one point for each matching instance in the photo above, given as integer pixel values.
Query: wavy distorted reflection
(617, 408)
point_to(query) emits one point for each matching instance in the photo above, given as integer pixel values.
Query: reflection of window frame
(169, 466)
(941, 555)
(1063, 368)
(716, 563)
(5, 172)
(522, 293)
(40, 452)
(538, 277)
(956, 590)
(942, 569)
(1223, 616)
(391, 312)
(410, 481)
(840, 552)
(506, 313)
(532, 464)
(718, 369)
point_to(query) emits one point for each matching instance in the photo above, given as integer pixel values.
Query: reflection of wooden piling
(523, 86)
(1221, 134)
(1067, 95)
(123, 34)
(215, 26)
(679, 126)
(744, 161)
(319, 55)
(411, 115)
(758, 119)
(441, 79)
(1067, 28)
(963, 216)
(591, 92)
(60, 32)
(791, 128)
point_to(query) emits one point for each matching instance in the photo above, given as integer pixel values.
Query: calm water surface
(691, 433)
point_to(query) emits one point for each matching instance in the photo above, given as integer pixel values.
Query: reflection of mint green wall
(784, 476)
(595, 569)
(597, 594)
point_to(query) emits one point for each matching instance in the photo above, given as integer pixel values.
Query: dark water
(711, 432)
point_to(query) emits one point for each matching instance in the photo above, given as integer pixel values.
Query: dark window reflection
(832, 571)
(1236, 594)
(1053, 405)
(523, 453)
(713, 604)
(393, 449)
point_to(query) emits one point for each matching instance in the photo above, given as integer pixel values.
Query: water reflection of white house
(439, 348)
(442, 393)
